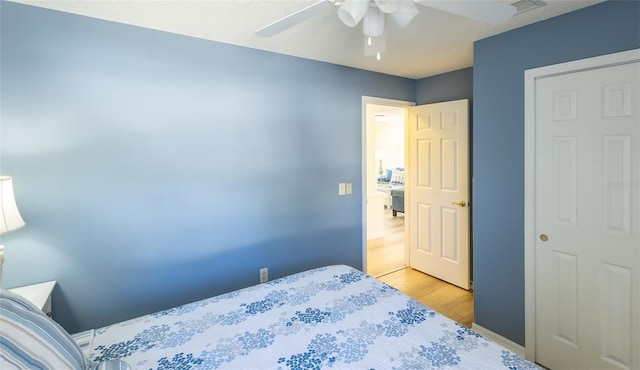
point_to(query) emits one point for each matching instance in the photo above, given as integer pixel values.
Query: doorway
(438, 135)
(384, 126)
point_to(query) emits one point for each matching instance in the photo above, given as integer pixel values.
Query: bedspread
(330, 317)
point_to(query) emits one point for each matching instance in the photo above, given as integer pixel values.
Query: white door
(587, 219)
(438, 191)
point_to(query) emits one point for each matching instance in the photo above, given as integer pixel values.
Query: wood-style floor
(386, 254)
(385, 260)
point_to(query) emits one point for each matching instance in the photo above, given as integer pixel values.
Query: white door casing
(582, 213)
(369, 170)
(438, 184)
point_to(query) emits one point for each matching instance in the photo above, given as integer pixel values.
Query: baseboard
(511, 346)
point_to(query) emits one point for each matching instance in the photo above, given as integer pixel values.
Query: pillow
(397, 177)
(31, 340)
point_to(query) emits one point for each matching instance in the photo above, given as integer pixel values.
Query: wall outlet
(264, 275)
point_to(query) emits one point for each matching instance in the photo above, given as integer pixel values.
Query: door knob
(460, 203)
(544, 237)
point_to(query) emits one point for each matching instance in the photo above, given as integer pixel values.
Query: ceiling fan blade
(481, 10)
(293, 19)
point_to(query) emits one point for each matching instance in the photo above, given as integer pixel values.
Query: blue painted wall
(454, 85)
(498, 143)
(154, 169)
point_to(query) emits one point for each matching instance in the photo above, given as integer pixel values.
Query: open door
(438, 191)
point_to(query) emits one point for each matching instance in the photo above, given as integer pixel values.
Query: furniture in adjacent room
(393, 180)
(38, 294)
(397, 201)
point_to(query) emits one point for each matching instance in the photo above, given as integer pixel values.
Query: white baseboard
(511, 346)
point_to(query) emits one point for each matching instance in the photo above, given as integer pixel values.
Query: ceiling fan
(373, 13)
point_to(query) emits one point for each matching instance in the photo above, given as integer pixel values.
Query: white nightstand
(38, 294)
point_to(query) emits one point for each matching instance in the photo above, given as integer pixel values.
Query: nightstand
(38, 294)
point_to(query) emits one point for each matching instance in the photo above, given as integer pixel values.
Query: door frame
(366, 100)
(530, 77)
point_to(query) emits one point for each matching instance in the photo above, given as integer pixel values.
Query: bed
(331, 317)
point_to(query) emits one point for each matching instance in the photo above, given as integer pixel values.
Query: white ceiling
(434, 42)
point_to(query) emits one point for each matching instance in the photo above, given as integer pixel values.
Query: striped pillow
(29, 339)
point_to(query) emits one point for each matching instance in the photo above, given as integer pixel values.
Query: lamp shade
(10, 218)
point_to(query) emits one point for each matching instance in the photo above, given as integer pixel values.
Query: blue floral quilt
(333, 317)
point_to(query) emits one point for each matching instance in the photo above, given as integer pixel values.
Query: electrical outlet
(264, 275)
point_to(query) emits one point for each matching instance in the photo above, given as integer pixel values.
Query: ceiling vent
(523, 6)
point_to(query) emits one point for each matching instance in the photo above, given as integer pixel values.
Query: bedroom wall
(448, 86)
(154, 169)
(498, 143)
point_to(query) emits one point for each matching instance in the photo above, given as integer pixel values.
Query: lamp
(379, 157)
(10, 218)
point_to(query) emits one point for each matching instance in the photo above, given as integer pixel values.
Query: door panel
(438, 180)
(587, 218)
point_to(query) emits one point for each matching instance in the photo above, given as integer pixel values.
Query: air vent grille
(523, 6)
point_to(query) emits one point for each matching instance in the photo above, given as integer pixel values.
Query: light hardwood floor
(385, 260)
(386, 254)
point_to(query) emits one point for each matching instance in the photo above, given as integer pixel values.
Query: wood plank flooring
(385, 260)
(386, 254)
(449, 300)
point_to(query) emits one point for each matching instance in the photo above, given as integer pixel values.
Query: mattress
(330, 317)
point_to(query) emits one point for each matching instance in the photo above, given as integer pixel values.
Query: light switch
(349, 188)
(341, 188)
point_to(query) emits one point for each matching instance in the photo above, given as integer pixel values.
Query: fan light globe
(352, 11)
(404, 14)
(387, 6)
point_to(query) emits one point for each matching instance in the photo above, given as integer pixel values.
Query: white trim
(506, 343)
(530, 77)
(378, 101)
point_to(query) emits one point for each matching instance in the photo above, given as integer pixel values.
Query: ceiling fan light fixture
(352, 11)
(375, 45)
(387, 6)
(373, 23)
(405, 13)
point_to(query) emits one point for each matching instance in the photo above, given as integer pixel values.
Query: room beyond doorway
(387, 253)
(384, 126)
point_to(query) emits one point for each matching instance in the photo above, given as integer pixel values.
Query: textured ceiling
(434, 42)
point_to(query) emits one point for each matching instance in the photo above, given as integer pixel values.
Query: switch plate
(342, 188)
(264, 275)
(349, 188)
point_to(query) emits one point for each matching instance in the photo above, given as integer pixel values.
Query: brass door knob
(460, 203)
(544, 237)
